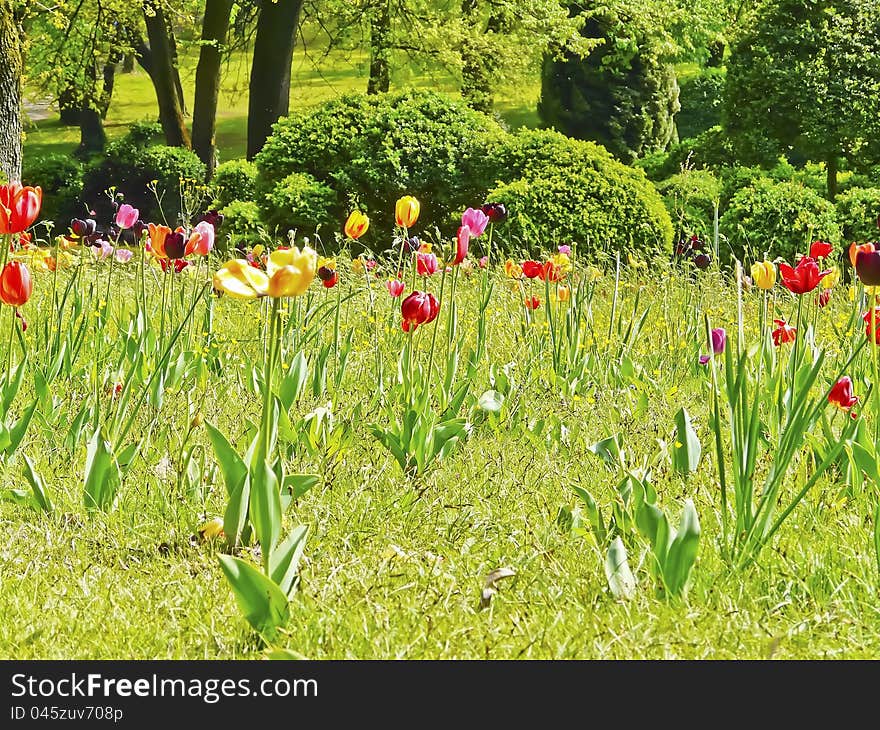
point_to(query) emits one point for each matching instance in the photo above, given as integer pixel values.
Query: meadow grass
(394, 568)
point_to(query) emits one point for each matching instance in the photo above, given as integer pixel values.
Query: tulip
(532, 303)
(462, 241)
(532, 269)
(483, 262)
(83, 228)
(562, 260)
(764, 274)
(327, 273)
(830, 281)
(101, 250)
(563, 293)
(127, 216)
(371, 264)
(158, 234)
(496, 212)
(19, 207)
(593, 274)
(823, 298)
(357, 265)
(395, 287)
(550, 272)
(175, 245)
(855, 249)
(719, 340)
(702, 261)
(841, 394)
(123, 255)
(406, 211)
(289, 273)
(804, 277)
(868, 267)
(512, 269)
(783, 333)
(413, 243)
(475, 220)
(876, 324)
(419, 308)
(16, 284)
(820, 250)
(426, 264)
(177, 265)
(202, 240)
(565, 250)
(356, 225)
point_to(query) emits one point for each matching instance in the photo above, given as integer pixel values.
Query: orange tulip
(855, 249)
(356, 225)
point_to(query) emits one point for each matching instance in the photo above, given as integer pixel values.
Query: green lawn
(314, 79)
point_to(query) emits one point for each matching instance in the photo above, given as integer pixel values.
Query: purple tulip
(719, 340)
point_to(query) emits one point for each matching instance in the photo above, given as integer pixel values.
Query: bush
(858, 211)
(298, 202)
(61, 178)
(131, 166)
(777, 218)
(690, 198)
(701, 99)
(707, 151)
(568, 190)
(370, 150)
(241, 224)
(234, 180)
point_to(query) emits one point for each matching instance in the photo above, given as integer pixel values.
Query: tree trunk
(831, 177)
(270, 69)
(175, 66)
(128, 63)
(380, 49)
(162, 74)
(108, 84)
(10, 93)
(716, 54)
(92, 136)
(68, 107)
(214, 28)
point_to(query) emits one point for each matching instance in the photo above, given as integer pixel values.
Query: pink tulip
(476, 220)
(101, 250)
(123, 255)
(395, 287)
(201, 241)
(426, 264)
(462, 241)
(484, 262)
(565, 249)
(127, 216)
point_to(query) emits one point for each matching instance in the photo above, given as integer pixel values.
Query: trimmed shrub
(131, 166)
(370, 150)
(707, 151)
(61, 177)
(690, 198)
(568, 190)
(234, 180)
(241, 224)
(777, 219)
(298, 202)
(858, 212)
(701, 100)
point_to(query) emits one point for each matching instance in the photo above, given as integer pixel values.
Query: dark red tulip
(495, 211)
(823, 298)
(841, 394)
(328, 276)
(868, 267)
(175, 245)
(702, 261)
(81, 228)
(419, 308)
(804, 277)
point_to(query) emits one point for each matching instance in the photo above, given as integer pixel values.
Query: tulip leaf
(19, 428)
(265, 506)
(682, 550)
(233, 468)
(617, 571)
(11, 390)
(608, 450)
(686, 450)
(299, 484)
(102, 475)
(262, 602)
(40, 493)
(594, 514)
(293, 383)
(236, 515)
(284, 560)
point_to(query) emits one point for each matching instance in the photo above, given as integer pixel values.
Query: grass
(393, 568)
(315, 78)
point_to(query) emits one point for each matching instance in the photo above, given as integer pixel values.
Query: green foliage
(701, 98)
(132, 165)
(61, 177)
(241, 222)
(690, 198)
(622, 95)
(370, 150)
(710, 150)
(299, 202)
(234, 180)
(777, 218)
(569, 190)
(858, 210)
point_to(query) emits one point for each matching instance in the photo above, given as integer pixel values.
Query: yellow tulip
(241, 280)
(357, 265)
(830, 281)
(211, 529)
(563, 261)
(289, 273)
(512, 269)
(407, 211)
(356, 225)
(563, 293)
(593, 274)
(764, 274)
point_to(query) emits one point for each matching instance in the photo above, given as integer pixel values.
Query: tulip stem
(436, 325)
(9, 347)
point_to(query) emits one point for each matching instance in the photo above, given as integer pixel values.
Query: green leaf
(11, 390)
(293, 383)
(877, 534)
(261, 601)
(231, 465)
(683, 550)
(19, 429)
(236, 514)
(102, 476)
(620, 578)
(686, 451)
(265, 507)
(40, 493)
(608, 450)
(284, 560)
(594, 514)
(299, 484)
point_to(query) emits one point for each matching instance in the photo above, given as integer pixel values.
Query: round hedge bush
(777, 219)
(690, 198)
(298, 202)
(131, 166)
(370, 150)
(241, 224)
(710, 150)
(234, 180)
(858, 212)
(565, 190)
(61, 177)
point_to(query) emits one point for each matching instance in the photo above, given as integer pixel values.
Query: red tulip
(16, 284)
(867, 318)
(823, 298)
(419, 308)
(841, 394)
(783, 333)
(868, 267)
(426, 264)
(551, 272)
(802, 278)
(533, 303)
(462, 241)
(820, 250)
(532, 269)
(19, 207)
(395, 287)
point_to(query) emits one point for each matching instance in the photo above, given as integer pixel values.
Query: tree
(269, 88)
(624, 94)
(10, 92)
(215, 26)
(805, 76)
